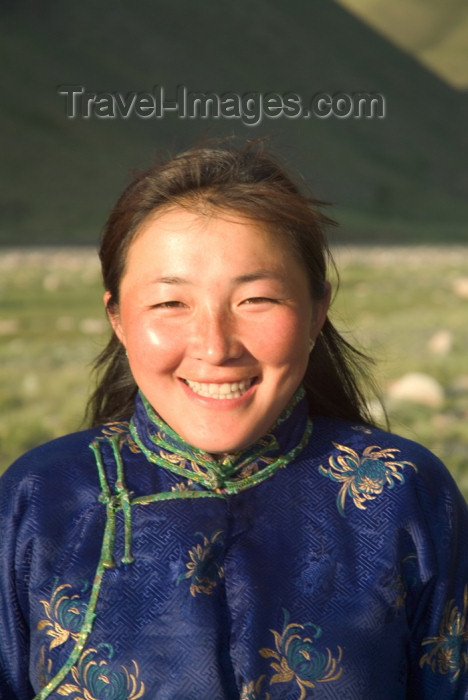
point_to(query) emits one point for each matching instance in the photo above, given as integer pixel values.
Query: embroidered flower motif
(252, 690)
(180, 461)
(298, 658)
(94, 680)
(204, 567)
(182, 487)
(121, 428)
(253, 467)
(65, 615)
(44, 669)
(365, 477)
(449, 652)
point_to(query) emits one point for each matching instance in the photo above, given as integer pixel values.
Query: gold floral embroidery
(181, 487)
(365, 477)
(448, 654)
(252, 690)
(205, 568)
(180, 461)
(65, 615)
(95, 680)
(297, 657)
(201, 470)
(254, 467)
(122, 429)
(44, 668)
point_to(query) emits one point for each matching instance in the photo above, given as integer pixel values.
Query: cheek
(148, 342)
(283, 341)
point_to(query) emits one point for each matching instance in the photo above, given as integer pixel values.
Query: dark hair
(249, 181)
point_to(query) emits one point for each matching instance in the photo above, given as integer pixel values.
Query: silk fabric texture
(329, 560)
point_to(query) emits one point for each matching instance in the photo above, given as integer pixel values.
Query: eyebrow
(253, 276)
(170, 279)
(259, 274)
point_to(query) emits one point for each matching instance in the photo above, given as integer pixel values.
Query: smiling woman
(233, 525)
(238, 188)
(222, 353)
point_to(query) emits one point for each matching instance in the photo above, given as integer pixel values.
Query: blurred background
(396, 183)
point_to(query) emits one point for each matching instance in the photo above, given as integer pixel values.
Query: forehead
(221, 248)
(179, 229)
(201, 215)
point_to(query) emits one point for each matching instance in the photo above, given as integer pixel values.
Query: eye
(260, 300)
(168, 305)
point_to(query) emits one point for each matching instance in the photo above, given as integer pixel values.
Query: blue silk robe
(330, 560)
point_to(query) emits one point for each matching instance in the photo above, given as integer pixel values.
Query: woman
(234, 525)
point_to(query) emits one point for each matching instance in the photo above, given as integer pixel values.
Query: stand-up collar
(234, 471)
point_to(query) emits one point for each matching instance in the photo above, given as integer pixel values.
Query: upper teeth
(227, 390)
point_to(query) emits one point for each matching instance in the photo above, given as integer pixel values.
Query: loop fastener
(114, 502)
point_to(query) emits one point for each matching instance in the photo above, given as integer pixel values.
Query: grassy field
(408, 307)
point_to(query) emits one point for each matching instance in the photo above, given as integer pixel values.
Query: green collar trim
(214, 479)
(234, 472)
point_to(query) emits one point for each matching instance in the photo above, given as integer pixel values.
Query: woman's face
(216, 316)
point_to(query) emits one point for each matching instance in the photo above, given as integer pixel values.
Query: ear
(114, 317)
(321, 307)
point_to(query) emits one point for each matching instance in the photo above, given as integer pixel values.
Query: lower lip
(219, 404)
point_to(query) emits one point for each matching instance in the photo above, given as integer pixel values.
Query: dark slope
(404, 175)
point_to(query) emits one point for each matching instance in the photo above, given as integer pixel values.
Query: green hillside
(402, 178)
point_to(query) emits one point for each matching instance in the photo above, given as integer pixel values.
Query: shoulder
(372, 461)
(368, 439)
(362, 437)
(53, 484)
(66, 459)
(52, 456)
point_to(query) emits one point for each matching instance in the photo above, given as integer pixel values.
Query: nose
(213, 337)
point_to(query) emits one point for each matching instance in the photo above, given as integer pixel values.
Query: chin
(221, 447)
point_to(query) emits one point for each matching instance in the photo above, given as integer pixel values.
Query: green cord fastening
(120, 500)
(113, 503)
(212, 479)
(218, 485)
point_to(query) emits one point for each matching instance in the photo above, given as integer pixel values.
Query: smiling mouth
(227, 390)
